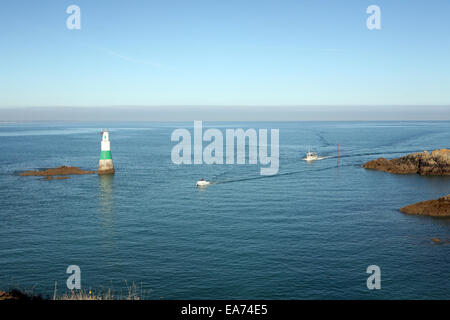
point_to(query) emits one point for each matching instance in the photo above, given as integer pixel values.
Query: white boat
(202, 183)
(311, 156)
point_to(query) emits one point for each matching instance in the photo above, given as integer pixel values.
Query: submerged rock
(435, 164)
(57, 172)
(436, 208)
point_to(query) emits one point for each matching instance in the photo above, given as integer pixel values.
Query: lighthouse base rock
(105, 166)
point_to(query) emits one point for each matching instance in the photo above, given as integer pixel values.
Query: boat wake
(280, 175)
(315, 159)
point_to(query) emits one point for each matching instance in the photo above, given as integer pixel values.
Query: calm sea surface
(309, 232)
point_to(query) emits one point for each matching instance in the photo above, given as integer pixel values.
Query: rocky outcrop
(436, 208)
(16, 294)
(436, 163)
(57, 172)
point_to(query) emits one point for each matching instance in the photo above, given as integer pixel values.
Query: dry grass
(133, 292)
(130, 292)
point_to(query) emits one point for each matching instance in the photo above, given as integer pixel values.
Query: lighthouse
(105, 165)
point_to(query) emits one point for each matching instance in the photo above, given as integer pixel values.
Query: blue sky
(227, 52)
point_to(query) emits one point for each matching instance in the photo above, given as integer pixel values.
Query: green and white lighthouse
(105, 165)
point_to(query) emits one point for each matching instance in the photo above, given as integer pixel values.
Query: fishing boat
(202, 183)
(311, 156)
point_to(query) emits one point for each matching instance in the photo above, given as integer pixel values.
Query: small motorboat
(202, 183)
(311, 156)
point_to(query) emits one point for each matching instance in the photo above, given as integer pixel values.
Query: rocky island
(435, 208)
(60, 171)
(436, 163)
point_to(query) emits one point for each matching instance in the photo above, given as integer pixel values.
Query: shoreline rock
(436, 163)
(434, 208)
(63, 170)
(16, 294)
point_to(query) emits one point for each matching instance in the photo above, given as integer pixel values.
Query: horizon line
(225, 105)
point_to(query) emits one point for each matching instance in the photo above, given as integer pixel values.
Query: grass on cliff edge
(132, 292)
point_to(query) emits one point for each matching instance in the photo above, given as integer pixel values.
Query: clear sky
(224, 52)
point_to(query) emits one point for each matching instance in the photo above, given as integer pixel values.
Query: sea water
(309, 232)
